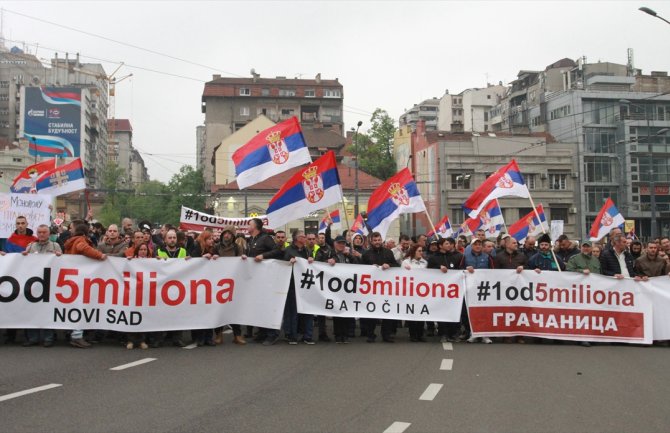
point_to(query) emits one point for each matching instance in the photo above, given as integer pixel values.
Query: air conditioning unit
(543, 175)
(575, 175)
(573, 210)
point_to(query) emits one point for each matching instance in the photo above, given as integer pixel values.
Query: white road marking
(447, 346)
(191, 346)
(132, 364)
(430, 392)
(447, 364)
(29, 391)
(397, 427)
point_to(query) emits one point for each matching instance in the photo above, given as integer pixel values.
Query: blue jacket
(480, 261)
(544, 262)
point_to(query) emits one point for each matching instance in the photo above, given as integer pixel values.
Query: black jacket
(262, 244)
(609, 264)
(379, 256)
(451, 260)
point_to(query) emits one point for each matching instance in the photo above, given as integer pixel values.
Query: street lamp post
(358, 125)
(652, 13)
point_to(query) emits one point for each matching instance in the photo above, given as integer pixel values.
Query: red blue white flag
(529, 225)
(607, 219)
(270, 152)
(311, 189)
(62, 179)
(359, 226)
(443, 228)
(332, 219)
(506, 182)
(490, 219)
(398, 195)
(26, 181)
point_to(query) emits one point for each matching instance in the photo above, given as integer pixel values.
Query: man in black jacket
(291, 317)
(383, 257)
(261, 246)
(447, 258)
(616, 261)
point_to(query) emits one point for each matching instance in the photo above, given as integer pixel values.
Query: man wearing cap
(584, 262)
(543, 260)
(474, 258)
(341, 253)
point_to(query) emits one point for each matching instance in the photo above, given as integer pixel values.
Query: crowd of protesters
(619, 257)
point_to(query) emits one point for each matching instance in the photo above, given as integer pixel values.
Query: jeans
(33, 335)
(308, 326)
(290, 321)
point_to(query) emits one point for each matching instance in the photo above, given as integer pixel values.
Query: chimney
(318, 78)
(216, 77)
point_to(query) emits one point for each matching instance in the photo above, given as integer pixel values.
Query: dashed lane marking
(447, 364)
(29, 391)
(430, 392)
(397, 427)
(133, 364)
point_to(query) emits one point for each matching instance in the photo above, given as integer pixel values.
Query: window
(265, 92)
(17, 159)
(244, 111)
(286, 92)
(599, 140)
(310, 93)
(598, 168)
(558, 181)
(245, 91)
(523, 211)
(486, 116)
(456, 217)
(461, 181)
(559, 213)
(530, 180)
(287, 112)
(332, 93)
(488, 96)
(596, 196)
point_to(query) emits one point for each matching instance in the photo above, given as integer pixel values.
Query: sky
(387, 54)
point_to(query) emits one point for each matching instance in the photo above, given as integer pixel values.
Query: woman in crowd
(415, 260)
(141, 251)
(204, 247)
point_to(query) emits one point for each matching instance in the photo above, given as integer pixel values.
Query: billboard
(52, 121)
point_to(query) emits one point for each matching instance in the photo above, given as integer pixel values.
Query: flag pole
(553, 254)
(503, 217)
(431, 223)
(344, 206)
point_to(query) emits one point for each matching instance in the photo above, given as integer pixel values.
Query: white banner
(198, 221)
(369, 292)
(559, 305)
(35, 207)
(74, 292)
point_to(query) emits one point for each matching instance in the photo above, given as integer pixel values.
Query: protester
(617, 261)
(297, 249)
(170, 250)
(81, 244)
(447, 258)
(650, 264)
(227, 247)
(138, 339)
(342, 254)
(43, 245)
(112, 244)
(382, 257)
(584, 262)
(400, 250)
(566, 248)
(544, 260)
(414, 260)
(474, 258)
(204, 248)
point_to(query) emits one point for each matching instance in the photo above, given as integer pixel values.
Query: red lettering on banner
(165, 293)
(63, 282)
(194, 291)
(227, 286)
(555, 321)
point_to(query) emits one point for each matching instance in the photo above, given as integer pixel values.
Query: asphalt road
(358, 387)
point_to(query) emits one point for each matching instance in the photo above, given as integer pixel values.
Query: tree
(116, 202)
(186, 188)
(375, 149)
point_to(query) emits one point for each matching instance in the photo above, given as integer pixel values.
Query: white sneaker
(472, 340)
(486, 340)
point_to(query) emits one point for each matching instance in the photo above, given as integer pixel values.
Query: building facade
(469, 110)
(231, 103)
(427, 111)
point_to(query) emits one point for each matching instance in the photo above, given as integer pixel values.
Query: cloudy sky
(386, 54)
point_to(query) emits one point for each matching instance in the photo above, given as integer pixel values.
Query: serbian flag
(443, 228)
(26, 181)
(505, 182)
(271, 152)
(311, 189)
(608, 218)
(398, 195)
(63, 179)
(359, 226)
(18, 243)
(490, 219)
(529, 225)
(333, 218)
